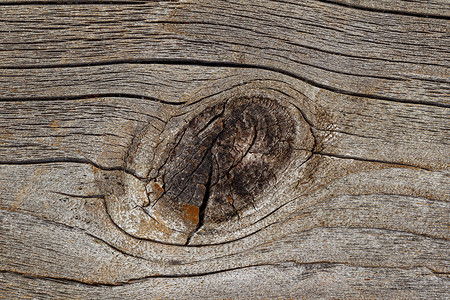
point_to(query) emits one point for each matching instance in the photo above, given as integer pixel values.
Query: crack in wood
(206, 63)
(309, 266)
(360, 210)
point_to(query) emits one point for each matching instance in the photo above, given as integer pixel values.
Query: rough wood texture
(336, 173)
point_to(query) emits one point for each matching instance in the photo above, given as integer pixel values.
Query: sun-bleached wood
(366, 216)
(353, 51)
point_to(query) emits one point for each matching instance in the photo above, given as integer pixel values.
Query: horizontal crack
(322, 266)
(89, 96)
(205, 63)
(387, 11)
(79, 196)
(133, 280)
(69, 160)
(372, 160)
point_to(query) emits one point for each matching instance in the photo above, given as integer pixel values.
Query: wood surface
(95, 94)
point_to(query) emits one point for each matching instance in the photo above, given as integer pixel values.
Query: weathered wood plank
(95, 97)
(366, 53)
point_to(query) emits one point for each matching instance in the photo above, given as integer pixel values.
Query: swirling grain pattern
(224, 149)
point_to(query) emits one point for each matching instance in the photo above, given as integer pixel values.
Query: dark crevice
(364, 8)
(372, 160)
(205, 63)
(437, 273)
(115, 248)
(202, 208)
(206, 152)
(387, 11)
(79, 196)
(70, 160)
(88, 96)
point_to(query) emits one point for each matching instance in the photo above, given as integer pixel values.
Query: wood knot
(224, 163)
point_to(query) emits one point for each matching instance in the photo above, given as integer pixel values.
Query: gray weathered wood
(93, 95)
(353, 51)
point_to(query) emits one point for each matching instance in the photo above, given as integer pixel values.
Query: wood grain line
(88, 96)
(347, 4)
(384, 10)
(68, 160)
(189, 62)
(320, 264)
